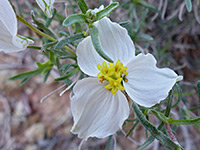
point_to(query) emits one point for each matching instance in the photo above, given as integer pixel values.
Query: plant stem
(41, 33)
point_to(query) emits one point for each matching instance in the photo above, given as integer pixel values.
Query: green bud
(90, 16)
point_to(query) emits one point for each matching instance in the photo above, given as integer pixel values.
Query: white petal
(147, 84)
(7, 18)
(10, 44)
(96, 112)
(88, 58)
(115, 41)
(46, 6)
(21, 42)
(99, 9)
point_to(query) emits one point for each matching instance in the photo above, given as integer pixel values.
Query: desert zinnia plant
(100, 109)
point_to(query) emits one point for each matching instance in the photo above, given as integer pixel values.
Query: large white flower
(98, 104)
(9, 40)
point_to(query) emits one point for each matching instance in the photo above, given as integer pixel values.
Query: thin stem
(33, 28)
(41, 33)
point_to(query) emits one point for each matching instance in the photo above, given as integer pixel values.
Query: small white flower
(98, 105)
(9, 40)
(46, 6)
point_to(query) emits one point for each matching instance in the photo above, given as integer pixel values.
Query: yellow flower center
(114, 74)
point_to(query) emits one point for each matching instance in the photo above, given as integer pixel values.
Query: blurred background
(164, 28)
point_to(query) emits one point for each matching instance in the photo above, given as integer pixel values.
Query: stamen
(114, 74)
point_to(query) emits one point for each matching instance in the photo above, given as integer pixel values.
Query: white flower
(98, 105)
(47, 5)
(9, 40)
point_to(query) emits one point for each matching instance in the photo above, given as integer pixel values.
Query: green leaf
(188, 5)
(163, 139)
(152, 138)
(143, 38)
(175, 122)
(68, 56)
(68, 75)
(83, 6)
(46, 75)
(95, 41)
(106, 11)
(42, 26)
(179, 95)
(75, 18)
(132, 128)
(24, 81)
(143, 3)
(124, 24)
(66, 67)
(193, 121)
(69, 39)
(28, 75)
(198, 90)
(146, 143)
(49, 44)
(108, 143)
(140, 22)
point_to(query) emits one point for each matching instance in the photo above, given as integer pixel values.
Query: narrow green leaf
(164, 140)
(63, 33)
(150, 7)
(140, 22)
(65, 67)
(68, 56)
(46, 75)
(69, 39)
(32, 73)
(198, 90)
(106, 11)
(27, 74)
(68, 75)
(49, 44)
(132, 128)
(179, 95)
(185, 122)
(143, 38)
(124, 24)
(146, 143)
(24, 81)
(188, 5)
(42, 26)
(169, 105)
(83, 6)
(75, 18)
(152, 138)
(170, 120)
(95, 40)
(108, 143)
(131, 120)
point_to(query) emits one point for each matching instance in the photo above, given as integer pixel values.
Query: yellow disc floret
(114, 74)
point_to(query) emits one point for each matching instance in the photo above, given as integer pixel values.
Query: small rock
(31, 147)
(35, 133)
(20, 110)
(8, 86)
(1, 118)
